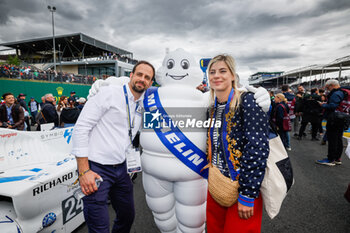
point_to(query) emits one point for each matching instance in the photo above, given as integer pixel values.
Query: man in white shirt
(102, 136)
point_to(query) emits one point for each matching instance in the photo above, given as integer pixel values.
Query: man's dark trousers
(315, 122)
(118, 186)
(335, 129)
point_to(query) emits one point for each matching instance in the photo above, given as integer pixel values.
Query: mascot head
(179, 67)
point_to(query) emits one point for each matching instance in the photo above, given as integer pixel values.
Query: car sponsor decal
(33, 170)
(71, 207)
(7, 221)
(68, 134)
(59, 163)
(49, 219)
(39, 176)
(51, 135)
(8, 135)
(46, 186)
(18, 153)
(13, 178)
(19, 178)
(11, 221)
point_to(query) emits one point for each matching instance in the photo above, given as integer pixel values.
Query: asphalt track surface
(314, 204)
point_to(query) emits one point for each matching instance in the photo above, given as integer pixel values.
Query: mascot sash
(176, 142)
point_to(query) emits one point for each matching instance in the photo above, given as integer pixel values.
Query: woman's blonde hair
(281, 97)
(230, 62)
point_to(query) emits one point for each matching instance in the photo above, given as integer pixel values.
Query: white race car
(36, 177)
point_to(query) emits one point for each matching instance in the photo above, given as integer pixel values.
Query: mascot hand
(109, 81)
(261, 96)
(242, 89)
(96, 87)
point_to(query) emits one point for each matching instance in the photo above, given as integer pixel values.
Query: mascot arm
(109, 81)
(261, 96)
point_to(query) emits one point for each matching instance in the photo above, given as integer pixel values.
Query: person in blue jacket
(335, 126)
(280, 111)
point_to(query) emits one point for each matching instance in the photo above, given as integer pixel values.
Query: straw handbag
(223, 189)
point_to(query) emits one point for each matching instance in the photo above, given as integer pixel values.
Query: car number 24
(71, 207)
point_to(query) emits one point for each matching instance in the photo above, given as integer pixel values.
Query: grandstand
(264, 78)
(76, 53)
(305, 75)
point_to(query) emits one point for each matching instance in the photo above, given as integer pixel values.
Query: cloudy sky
(262, 35)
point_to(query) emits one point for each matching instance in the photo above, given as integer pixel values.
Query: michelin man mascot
(172, 159)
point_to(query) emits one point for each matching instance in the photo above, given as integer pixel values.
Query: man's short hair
(333, 82)
(313, 90)
(145, 63)
(285, 87)
(6, 94)
(48, 95)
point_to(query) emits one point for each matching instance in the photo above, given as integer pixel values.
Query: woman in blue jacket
(280, 114)
(239, 149)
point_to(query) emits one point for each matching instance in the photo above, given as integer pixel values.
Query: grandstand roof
(74, 45)
(262, 72)
(309, 70)
(340, 62)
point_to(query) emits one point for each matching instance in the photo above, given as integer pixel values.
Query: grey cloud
(265, 55)
(253, 68)
(17, 8)
(346, 46)
(158, 16)
(69, 12)
(204, 25)
(33, 8)
(331, 5)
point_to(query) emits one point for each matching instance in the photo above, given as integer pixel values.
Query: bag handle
(284, 109)
(43, 114)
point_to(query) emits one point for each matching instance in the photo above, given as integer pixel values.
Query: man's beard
(138, 90)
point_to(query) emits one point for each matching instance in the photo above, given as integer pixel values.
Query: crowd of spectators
(31, 73)
(114, 56)
(20, 115)
(294, 111)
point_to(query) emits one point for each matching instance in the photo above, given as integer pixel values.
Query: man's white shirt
(102, 130)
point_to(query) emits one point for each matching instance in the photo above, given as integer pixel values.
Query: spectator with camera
(70, 114)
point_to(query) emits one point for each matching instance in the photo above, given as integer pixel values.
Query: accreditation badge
(139, 109)
(133, 159)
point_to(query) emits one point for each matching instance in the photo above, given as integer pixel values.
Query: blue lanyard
(227, 109)
(233, 173)
(131, 123)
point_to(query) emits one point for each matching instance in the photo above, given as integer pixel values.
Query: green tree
(13, 60)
